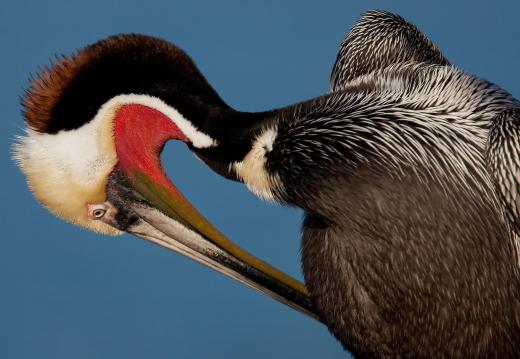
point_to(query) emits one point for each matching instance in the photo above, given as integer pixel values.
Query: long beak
(159, 213)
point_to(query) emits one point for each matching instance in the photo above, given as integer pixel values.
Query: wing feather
(503, 160)
(380, 39)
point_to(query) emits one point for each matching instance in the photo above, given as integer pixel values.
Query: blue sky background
(69, 293)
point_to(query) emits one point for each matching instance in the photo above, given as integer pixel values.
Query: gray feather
(380, 39)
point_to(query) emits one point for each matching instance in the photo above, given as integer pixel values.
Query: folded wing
(380, 39)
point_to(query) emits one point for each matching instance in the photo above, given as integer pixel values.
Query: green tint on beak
(166, 218)
(143, 201)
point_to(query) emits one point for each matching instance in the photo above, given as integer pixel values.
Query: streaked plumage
(407, 171)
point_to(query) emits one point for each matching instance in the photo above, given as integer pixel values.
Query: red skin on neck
(140, 134)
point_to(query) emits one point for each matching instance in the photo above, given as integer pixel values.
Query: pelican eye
(98, 213)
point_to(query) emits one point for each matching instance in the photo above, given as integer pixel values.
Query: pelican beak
(157, 212)
(142, 200)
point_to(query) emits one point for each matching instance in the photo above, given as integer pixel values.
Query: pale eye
(96, 211)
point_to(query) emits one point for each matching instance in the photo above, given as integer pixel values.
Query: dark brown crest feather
(68, 93)
(46, 89)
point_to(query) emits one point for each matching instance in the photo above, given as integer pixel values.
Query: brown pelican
(407, 171)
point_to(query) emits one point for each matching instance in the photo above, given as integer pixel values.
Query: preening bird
(407, 171)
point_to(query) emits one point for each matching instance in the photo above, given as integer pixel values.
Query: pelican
(406, 170)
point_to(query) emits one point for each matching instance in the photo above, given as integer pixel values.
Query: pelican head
(96, 125)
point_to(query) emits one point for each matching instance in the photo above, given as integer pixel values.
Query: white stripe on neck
(197, 138)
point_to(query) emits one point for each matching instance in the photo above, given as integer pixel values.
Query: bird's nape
(100, 119)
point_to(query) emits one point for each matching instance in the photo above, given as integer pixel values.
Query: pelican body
(406, 170)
